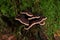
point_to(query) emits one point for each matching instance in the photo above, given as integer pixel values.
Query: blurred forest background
(48, 8)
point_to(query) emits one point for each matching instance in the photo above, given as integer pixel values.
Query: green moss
(49, 8)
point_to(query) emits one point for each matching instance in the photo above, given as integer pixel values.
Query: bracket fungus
(26, 13)
(30, 20)
(38, 21)
(23, 20)
(34, 17)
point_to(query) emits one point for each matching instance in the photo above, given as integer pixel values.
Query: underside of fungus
(30, 20)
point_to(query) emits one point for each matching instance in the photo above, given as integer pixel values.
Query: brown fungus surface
(30, 20)
(22, 20)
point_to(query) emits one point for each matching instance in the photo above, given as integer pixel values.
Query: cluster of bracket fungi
(30, 20)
